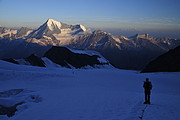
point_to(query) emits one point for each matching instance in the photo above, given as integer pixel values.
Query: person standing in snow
(147, 90)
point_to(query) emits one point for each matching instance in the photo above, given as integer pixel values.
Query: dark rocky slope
(168, 62)
(64, 57)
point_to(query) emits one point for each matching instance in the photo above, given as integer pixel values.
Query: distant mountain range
(12, 34)
(133, 52)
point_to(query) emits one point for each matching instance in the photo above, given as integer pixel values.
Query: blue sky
(105, 14)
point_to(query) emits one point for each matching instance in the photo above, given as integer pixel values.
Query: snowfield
(87, 94)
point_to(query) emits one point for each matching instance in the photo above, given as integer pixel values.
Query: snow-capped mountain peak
(53, 24)
(56, 33)
(83, 27)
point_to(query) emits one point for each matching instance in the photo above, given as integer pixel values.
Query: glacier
(87, 94)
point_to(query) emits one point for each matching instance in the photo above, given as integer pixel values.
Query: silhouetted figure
(147, 90)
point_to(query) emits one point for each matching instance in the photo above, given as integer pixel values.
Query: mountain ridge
(64, 57)
(133, 52)
(167, 62)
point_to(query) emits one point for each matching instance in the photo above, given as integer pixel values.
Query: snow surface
(49, 63)
(88, 52)
(116, 39)
(83, 27)
(52, 23)
(91, 53)
(91, 94)
(8, 32)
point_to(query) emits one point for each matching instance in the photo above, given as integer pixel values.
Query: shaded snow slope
(96, 94)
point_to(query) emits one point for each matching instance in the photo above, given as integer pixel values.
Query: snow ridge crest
(53, 24)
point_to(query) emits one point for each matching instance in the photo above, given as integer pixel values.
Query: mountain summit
(60, 32)
(52, 24)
